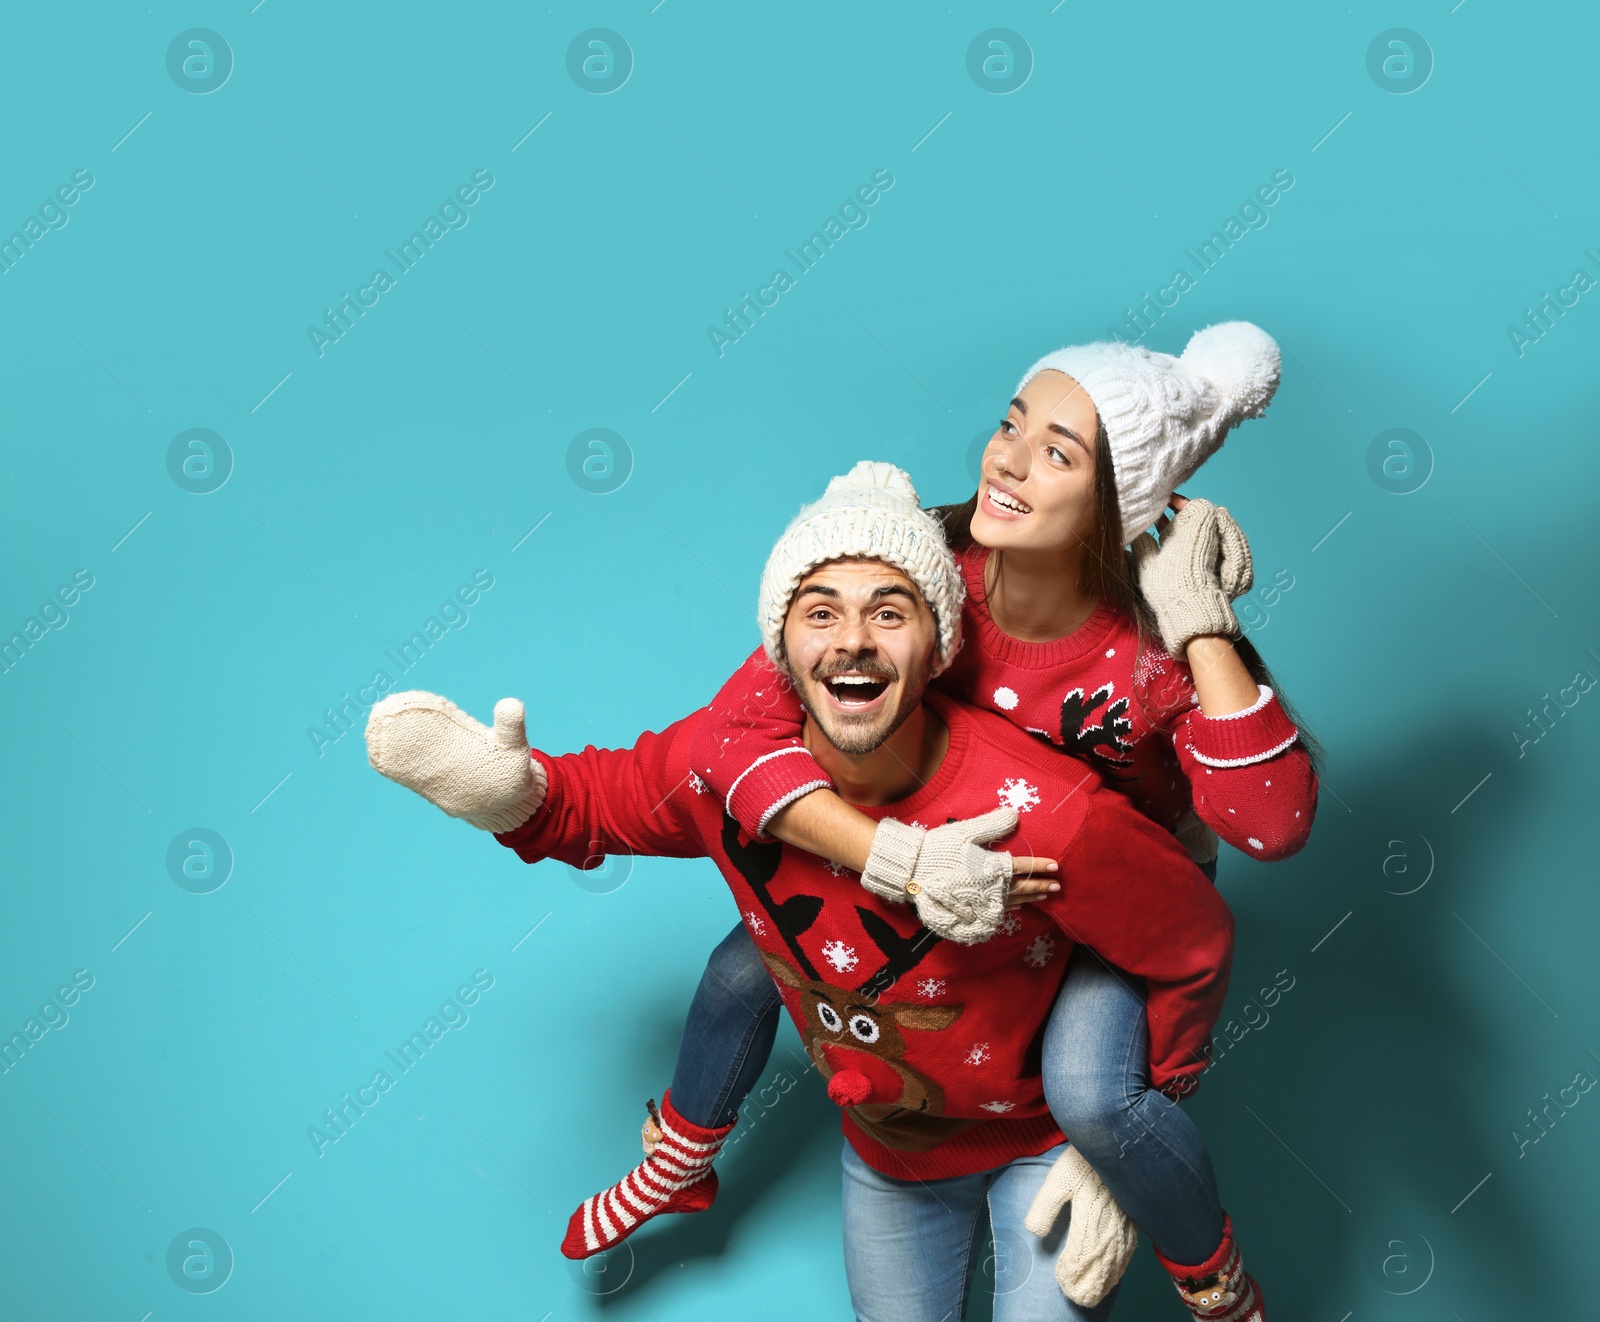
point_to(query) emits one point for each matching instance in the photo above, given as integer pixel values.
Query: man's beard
(859, 735)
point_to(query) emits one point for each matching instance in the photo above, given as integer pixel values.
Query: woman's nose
(1008, 458)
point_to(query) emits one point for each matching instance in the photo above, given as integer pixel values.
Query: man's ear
(928, 1018)
(781, 971)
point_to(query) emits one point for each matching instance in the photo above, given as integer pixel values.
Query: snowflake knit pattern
(926, 1042)
(1129, 710)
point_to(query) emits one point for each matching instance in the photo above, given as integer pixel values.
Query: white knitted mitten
(1191, 577)
(958, 887)
(484, 776)
(1100, 1238)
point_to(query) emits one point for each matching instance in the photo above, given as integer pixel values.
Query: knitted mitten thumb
(1100, 1238)
(1237, 572)
(487, 777)
(959, 888)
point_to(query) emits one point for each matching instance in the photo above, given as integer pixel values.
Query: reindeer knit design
(1218, 1289)
(677, 1177)
(1097, 694)
(888, 1011)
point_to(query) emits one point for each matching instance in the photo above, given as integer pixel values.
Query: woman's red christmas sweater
(1132, 710)
(945, 1034)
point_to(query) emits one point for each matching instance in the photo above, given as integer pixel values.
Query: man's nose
(853, 635)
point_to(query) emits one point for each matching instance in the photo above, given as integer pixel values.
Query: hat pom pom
(1240, 360)
(870, 474)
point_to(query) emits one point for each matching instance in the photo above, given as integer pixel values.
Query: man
(928, 1044)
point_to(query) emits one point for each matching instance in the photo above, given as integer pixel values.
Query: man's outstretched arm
(578, 807)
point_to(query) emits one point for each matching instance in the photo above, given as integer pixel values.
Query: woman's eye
(1006, 427)
(1057, 454)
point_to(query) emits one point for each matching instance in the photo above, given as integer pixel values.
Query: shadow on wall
(787, 1126)
(1340, 1124)
(1342, 1128)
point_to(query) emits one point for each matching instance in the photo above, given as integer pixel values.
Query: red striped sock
(676, 1178)
(1218, 1289)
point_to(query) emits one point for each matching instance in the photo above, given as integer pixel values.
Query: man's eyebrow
(887, 590)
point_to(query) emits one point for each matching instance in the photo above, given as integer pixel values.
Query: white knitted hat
(1166, 416)
(873, 512)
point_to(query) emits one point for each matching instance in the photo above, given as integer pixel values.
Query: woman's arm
(822, 823)
(748, 751)
(1220, 678)
(1252, 781)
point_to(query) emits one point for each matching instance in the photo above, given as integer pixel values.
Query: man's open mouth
(855, 692)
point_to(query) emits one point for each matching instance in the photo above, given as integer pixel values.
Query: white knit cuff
(893, 860)
(1262, 699)
(515, 814)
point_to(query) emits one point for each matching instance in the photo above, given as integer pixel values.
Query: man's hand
(484, 776)
(1100, 1239)
(960, 889)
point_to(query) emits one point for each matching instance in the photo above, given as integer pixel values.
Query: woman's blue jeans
(1096, 1080)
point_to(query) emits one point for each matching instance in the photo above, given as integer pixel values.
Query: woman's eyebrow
(1069, 434)
(1022, 408)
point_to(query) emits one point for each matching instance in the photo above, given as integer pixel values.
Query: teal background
(1368, 1134)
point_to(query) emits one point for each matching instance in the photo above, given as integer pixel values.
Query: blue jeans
(911, 1248)
(1096, 1081)
(728, 1035)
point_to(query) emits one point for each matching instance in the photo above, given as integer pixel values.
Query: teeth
(853, 679)
(1008, 502)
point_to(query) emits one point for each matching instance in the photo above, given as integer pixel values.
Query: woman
(1131, 658)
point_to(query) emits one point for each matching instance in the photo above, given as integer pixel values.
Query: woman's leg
(728, 1034)
(726, 1040)
(1141, 1143)
(910, 1245)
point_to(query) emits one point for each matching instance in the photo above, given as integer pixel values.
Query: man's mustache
(864, 666)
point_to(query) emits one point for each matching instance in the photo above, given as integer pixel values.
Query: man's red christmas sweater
(946, 1034)
(1097, 693)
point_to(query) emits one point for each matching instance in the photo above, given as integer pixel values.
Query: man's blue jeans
(912, 1248)
(1096, 1080)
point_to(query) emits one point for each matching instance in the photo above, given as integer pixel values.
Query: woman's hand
(1192, 575)
(1222, 682)
(960, 889)
(1032, 889)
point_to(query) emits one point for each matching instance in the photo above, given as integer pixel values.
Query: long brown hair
(1107, 573)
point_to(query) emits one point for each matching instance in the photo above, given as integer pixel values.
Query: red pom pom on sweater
(849, 1088)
